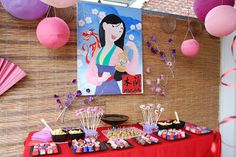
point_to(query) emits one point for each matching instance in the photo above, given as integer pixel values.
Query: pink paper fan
(10, 74)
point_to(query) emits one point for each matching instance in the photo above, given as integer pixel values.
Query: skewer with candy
(90, 118)
(151, 113)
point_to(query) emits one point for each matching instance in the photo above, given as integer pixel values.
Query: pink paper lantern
(221, 21)
(190, 47)
(202, 7)
(53, 32)
(60, 3)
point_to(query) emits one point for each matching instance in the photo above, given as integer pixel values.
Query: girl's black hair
(111, 19)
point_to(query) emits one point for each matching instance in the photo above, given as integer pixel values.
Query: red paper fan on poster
(10, 74)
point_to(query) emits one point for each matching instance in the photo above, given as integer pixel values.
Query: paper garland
(231, 70)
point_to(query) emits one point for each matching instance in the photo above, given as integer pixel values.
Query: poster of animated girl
(109, 49)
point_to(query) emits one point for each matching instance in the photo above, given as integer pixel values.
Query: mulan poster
(109, 49)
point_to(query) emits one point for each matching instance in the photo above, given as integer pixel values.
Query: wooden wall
(193, 92)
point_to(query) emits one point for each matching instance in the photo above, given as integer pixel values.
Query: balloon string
(48, 11)
(231, 70)
(189, 22)
(55, 12)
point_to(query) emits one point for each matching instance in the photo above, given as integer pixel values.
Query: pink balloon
(190, 47)
(221, 21)
(202, 7)
(60, 3)
(53, 32)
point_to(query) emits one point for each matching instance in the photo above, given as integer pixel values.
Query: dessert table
(194, 146)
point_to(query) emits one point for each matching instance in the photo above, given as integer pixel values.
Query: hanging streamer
(231, 70)
(224, 121)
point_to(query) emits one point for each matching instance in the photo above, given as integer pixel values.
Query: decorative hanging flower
(169, 63)
(78, 93)
(70, 98)
(154, 50)
(88, 90)
(148, 82)
(148, 70)
(168, 55)
(160, 87)
(153, 38)
(148, 44)
(170, 40)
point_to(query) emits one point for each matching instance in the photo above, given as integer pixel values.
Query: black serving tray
(32, 148)
(209, 131)
(186, 136)
(110, 147)
(146, 144)
(102, 148)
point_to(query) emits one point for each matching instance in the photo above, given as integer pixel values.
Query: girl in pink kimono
(102, 72)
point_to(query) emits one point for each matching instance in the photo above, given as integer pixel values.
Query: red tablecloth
(195, 146)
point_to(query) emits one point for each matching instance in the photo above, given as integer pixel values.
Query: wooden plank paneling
(193, 92)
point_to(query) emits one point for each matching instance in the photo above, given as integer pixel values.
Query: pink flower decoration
(158, 80)
(148, 82)
(169, 63)
(162, 77)
(158, 90)
(148, 70)
(153, 88)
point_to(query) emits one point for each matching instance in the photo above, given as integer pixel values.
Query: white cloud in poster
(94, 11)
(79, 63)
(101, 14)
(139, 26)
(132, 27)
(81, 52)
(81, 23)
(131, 37)
(88, 20)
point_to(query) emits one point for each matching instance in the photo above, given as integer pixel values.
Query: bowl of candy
(178, 124)
(76, 134)
(59, 135)
(165, 125)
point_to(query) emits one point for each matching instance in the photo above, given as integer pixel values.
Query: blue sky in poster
(89, 16)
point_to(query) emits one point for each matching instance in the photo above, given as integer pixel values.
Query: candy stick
(177, 117)
(45, 123)
(157, 115)
(62, 112)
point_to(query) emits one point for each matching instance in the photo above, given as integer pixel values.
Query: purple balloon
(202, 7)
(25, 9)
